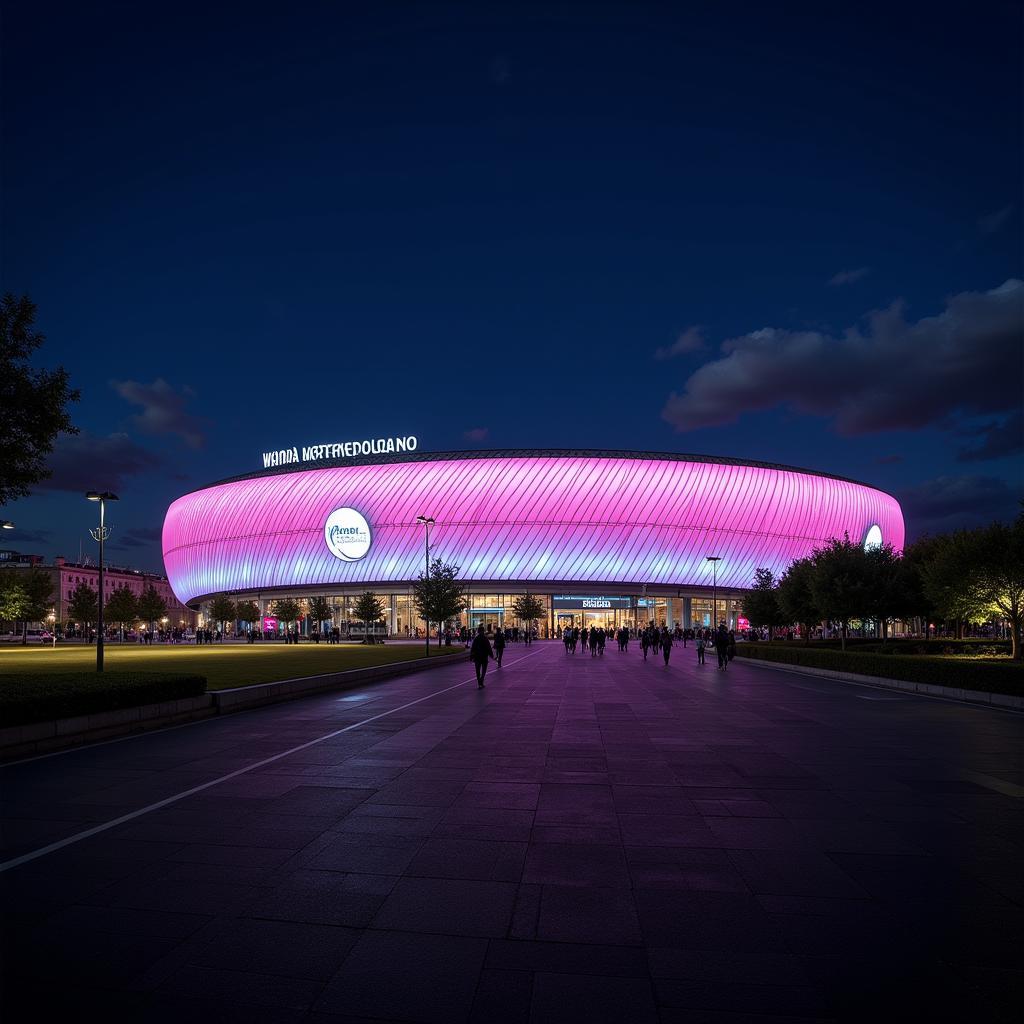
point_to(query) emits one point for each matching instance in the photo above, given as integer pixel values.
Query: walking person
(666, 645)
(700, 648)
(722, 647)
(645, 642)
(480, 653)
(499, 645)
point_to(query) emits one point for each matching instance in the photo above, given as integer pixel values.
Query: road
(597, 839)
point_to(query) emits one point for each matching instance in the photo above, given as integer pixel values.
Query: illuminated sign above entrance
(570, 602)
(339, 450)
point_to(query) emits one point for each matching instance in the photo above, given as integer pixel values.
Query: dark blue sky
(249, 227)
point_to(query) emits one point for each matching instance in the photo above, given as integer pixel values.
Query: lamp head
(6, 524)
(712, 558)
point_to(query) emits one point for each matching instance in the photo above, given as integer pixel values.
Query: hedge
(988, 677)
(982, 646)
(29, 698)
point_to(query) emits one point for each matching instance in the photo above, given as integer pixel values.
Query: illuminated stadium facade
(605, 537)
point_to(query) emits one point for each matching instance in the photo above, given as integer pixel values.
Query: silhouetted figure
(481, 653)
(722, 647)
(499, 645)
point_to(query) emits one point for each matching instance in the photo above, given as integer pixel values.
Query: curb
(46, 737)
(1004, 701)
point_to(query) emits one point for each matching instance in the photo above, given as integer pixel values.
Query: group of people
(512, 635)
(593, 639)
(724, 642)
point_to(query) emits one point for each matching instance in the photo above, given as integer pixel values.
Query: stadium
(603, 537)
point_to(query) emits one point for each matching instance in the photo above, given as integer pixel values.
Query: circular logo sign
(347, 534)
(873, 538)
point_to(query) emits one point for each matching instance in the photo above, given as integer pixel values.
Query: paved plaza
(592, 839)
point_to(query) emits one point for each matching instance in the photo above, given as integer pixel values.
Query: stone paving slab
(585, 839)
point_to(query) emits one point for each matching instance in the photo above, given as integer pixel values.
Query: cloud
(140, 537)
(691, 340)
(476, 434)
(20, 536)
(889, 460)
(992, 222)
(163, 410)
(85, 462)
(940, 371)
(849, 276)
(999, 439)
(955, 502)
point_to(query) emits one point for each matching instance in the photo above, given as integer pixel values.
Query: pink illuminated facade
(631, 529)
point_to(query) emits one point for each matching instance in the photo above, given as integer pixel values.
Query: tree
(369, 608)
(438, 595)
(287, 611)
(528, 608)
(889, 592)
(916, 558)
(840, 584)
(999, 572)
(84, 606)
(151, 606)
(248, 611)
(949, 578)
(12, 595)
(222, 609)
(38, 588)
(761, 605)
(122, 606)
(320, 611)
(33, 403)
(796, 602)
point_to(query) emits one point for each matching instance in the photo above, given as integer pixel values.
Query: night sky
(792, 236)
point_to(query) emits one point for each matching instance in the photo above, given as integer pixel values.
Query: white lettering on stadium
(340, 449)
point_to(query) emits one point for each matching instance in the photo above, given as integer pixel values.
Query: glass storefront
(560, 611)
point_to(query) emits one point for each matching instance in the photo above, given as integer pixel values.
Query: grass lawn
(224, 667)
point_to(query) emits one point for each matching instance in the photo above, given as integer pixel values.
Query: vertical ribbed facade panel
(521, 520)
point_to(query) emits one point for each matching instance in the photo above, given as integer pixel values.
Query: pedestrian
(730, 647)
(645, 642)
(666, 645)
(721, 647)
(499, 645)
(480, 653)
(700, 648)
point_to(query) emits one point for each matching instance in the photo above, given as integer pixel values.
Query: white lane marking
(78, 837)
(862, 696)
(997, 785)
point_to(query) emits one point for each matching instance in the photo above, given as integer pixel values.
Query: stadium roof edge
(521, 453)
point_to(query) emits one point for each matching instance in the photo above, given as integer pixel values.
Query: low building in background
(68, 575)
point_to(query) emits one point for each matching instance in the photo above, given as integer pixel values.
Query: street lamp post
(714, 560)
(428, 522)
(100, 535)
